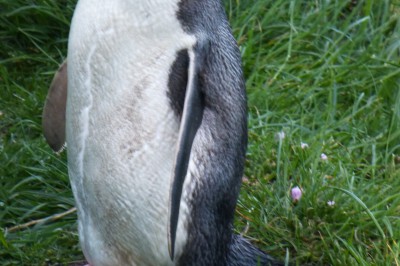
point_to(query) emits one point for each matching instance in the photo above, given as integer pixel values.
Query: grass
(325, 73)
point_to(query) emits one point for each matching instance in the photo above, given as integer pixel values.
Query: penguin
(152, 105)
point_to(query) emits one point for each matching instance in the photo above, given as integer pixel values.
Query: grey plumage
(214, 194)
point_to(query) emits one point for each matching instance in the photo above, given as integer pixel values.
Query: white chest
(121, 131)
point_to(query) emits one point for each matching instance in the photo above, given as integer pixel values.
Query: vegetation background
(323, 77)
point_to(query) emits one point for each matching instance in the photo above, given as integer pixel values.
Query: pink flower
(304, 145)
(296, 194)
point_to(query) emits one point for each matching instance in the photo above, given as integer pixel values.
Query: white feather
(121, 131)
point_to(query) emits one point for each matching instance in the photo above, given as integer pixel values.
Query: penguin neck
(138, 9)
(144, 19)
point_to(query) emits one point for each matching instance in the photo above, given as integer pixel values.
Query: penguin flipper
(190, 122)
(53, 117)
